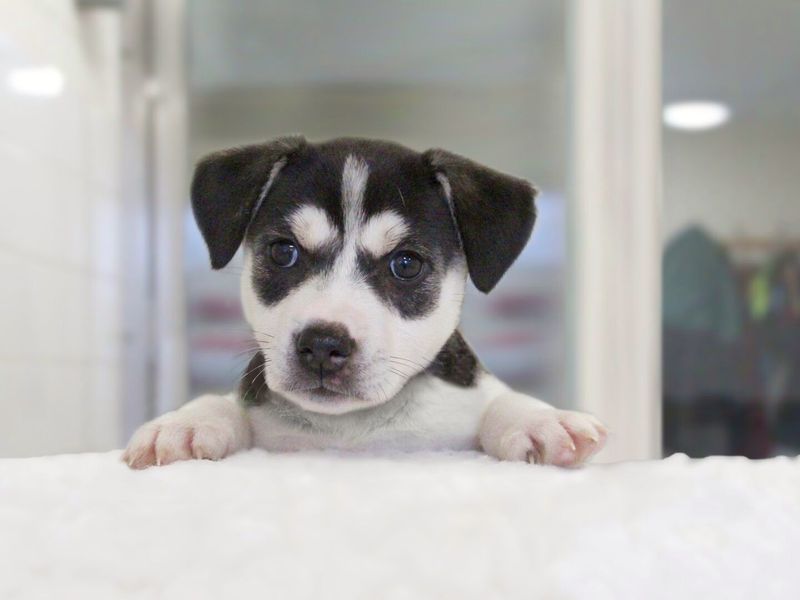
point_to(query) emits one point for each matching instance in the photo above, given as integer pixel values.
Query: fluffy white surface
(414, 526)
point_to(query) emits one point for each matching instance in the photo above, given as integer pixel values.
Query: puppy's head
(356, 254)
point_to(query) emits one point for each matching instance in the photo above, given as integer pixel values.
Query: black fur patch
(495, 214)
(253, 389)
(412, 299)
(271, 282)
(456, 363)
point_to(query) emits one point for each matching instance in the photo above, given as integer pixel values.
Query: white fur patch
(520, 428)
(208, 427)
(312, 228)
(273, 174)
(354, 184)
(383, 232)
(445, 183)
(437, 415)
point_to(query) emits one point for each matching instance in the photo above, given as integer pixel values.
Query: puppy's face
(353, 276)
(355, 262)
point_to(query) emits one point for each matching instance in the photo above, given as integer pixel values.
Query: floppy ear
(494, 214)
(229, 186)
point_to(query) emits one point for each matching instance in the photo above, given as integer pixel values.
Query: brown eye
(405, 265)
(284, 253)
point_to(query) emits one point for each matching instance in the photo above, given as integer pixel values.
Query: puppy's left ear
(494, 213)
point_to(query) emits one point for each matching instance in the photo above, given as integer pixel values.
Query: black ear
(229, 186)
(494, 214)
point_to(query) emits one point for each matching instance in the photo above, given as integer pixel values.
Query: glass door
(731, 228)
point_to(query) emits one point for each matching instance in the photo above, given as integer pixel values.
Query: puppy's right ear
(228, 187)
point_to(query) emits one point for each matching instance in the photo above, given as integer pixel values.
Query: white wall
(60, 335)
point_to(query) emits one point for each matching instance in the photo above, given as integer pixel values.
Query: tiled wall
(60, 321)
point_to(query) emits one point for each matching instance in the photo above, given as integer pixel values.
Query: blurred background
(661, 287)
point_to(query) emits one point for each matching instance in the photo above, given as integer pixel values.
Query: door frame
(615, 220)
(155, 157)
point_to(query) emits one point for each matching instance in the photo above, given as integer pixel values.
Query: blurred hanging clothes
(707, 392)
(774, 290)
(774, 303)
(700, 289)
(703, 317)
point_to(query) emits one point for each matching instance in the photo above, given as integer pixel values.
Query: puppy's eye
(405, 265)
(284, 253)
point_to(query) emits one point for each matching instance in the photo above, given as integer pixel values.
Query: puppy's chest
(429, 414)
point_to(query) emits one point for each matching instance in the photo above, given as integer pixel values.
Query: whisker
(258, 393)
(262, 367)
(407, 361)
(250, 349)
(382, 392)
(425, 358)
(262, 345)
(403, 367)
(398, 373)
(402, 198)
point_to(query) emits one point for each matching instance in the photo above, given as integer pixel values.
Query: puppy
(356, 254)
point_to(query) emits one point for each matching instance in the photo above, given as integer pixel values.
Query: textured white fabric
(461, 526)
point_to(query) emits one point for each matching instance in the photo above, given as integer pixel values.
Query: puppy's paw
(208, 430)
(541, 435)
(555, 437)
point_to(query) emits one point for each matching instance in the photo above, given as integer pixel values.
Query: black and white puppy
(356, 254)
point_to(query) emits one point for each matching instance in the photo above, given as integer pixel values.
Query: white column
(138, 376)
(169, 167)
(101, 42)
(154, 174)
(615, 236)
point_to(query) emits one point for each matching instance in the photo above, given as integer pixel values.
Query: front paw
(544, 436)
(211, 427)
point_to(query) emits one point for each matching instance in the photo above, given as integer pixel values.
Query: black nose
(324, 347)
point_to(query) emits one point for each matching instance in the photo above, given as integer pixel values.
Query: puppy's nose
(324, 347)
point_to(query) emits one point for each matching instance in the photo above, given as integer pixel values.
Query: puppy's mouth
(323, 387)
(324, 392)
(324, 399)
(331, 393)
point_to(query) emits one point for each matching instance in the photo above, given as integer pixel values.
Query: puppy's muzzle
(324, 348)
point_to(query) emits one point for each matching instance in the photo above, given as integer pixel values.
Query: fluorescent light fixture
(44, 81)
(696, 115)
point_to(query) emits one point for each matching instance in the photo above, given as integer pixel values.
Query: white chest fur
(428, 414)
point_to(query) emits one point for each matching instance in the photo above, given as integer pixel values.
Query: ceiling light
(696, 116)
(36, 81)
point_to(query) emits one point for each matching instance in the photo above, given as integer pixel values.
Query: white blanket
(444, 526)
